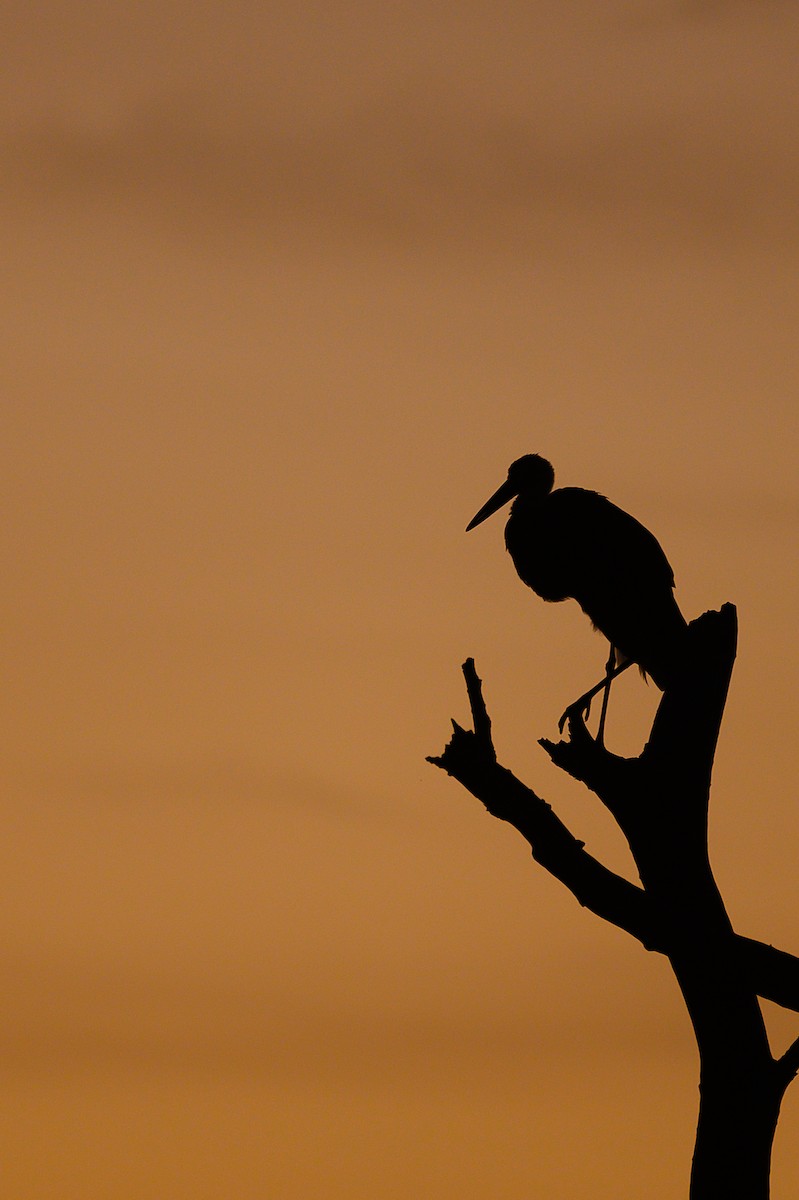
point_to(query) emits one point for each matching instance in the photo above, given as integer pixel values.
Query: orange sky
(288, 288)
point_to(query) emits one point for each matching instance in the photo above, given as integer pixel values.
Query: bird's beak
(501, 496)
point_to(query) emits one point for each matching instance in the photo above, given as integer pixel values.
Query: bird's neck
(528, 505)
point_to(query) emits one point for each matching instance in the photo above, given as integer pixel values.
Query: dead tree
(660, 802)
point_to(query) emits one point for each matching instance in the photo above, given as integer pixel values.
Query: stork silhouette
(574, 544)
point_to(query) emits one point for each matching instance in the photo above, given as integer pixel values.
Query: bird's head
(530, 475)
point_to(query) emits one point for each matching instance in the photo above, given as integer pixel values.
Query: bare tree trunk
(660, 801)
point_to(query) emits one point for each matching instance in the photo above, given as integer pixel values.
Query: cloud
(678, 11)
(418, 163)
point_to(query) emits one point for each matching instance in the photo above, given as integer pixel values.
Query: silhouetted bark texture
(660, 802)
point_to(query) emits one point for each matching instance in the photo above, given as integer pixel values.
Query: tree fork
(660, 801)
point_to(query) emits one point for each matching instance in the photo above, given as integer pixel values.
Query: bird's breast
(542, 559)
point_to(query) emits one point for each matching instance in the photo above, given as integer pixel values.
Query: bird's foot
(579, 711)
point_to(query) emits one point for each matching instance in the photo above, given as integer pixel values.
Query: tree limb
(470, 758)
(788, 1064)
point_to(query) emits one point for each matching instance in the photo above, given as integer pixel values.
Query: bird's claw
(580, 709)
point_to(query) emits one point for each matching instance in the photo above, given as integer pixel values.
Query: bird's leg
(582, 706)
(610, 666)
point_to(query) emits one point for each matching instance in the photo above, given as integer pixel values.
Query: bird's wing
(602, 543)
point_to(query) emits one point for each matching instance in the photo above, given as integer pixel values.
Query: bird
(571, 543)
